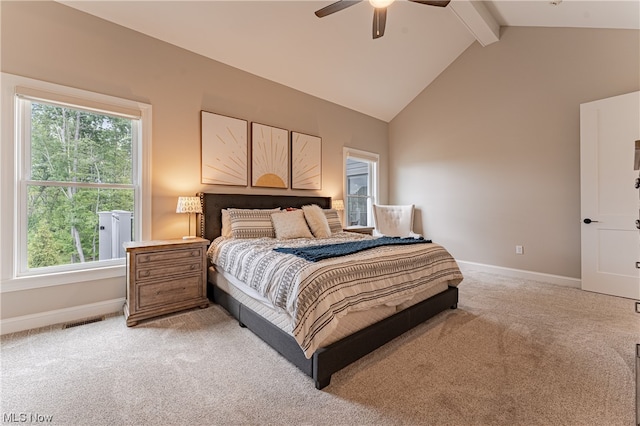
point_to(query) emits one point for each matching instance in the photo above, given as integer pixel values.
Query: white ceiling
(335, 57)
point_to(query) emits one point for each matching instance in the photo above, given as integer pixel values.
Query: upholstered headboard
(212, 204)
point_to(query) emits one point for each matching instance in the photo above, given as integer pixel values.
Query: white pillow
(317, 221)
(290, 225)
(334, 220)
(394, 220)
(247, 223)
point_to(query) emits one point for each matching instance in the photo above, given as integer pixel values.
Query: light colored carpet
(515, 352)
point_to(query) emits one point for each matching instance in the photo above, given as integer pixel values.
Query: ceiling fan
(379, 11)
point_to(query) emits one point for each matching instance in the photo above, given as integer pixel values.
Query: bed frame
(327, 360)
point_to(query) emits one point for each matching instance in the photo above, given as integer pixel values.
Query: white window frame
(12, 181)
(374, 182)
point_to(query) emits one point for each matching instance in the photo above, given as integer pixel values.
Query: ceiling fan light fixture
(379, 11)
(380, 4)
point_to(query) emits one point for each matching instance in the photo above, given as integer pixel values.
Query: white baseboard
(519, 273)
(58, 316)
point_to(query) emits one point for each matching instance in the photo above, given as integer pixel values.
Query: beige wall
(494, 144)
(51, 42)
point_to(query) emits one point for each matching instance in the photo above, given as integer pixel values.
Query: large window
(80, 163)
(361, 186)
(78, 184)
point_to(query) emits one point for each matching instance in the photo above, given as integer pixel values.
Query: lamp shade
(189, 205)
(338, 204)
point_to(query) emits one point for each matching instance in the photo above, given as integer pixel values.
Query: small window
(361, 186)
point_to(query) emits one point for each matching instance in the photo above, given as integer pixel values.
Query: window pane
(358, 192)
(72, 145)
(357, 177)
(68, 225)
(358, 211)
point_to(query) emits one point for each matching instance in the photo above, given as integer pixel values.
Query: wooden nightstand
(165, 276)
(360, 229)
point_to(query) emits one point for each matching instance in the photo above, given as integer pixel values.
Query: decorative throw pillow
(334, 220)
(226, 223)
(317, 220)
(290, 224)
(251, 223)
(394, 220)
(226, 220)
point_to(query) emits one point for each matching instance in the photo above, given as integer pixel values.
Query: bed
(353, 333)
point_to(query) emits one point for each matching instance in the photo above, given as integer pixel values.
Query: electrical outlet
(519, 249)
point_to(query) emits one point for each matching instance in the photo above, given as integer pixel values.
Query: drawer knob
(146, 273)
(193, 267)
(194, 253)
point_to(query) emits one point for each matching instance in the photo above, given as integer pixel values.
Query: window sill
(61, 278)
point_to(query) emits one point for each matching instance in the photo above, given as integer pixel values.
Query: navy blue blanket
(326, 251)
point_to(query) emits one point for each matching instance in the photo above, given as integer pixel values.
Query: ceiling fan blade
(379, 21)
(335, 7)
(433, 3)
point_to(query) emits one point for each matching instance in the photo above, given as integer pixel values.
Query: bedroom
(494, 186)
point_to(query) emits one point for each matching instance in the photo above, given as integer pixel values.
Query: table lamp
(189, 205)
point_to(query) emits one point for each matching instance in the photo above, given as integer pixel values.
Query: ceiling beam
(478, 20)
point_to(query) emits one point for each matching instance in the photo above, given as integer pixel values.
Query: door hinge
(637, 265)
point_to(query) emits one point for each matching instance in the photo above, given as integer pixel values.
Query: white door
(609, 199)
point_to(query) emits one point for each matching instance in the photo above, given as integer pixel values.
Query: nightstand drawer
(161, 293)
(151, 271)
(173, 256)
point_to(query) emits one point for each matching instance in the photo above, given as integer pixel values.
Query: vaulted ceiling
(335, 57)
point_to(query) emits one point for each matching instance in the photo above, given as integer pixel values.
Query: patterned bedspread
(316, 294)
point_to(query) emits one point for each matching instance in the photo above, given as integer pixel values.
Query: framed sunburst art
(269, 156)
(224, 150)
(306, 161)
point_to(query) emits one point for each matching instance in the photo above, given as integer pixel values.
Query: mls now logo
(25, 417)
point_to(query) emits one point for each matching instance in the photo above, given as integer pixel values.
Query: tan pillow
(226, 224)
(317, 220)
(334, 220)
(251, 223)
(290, 225)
